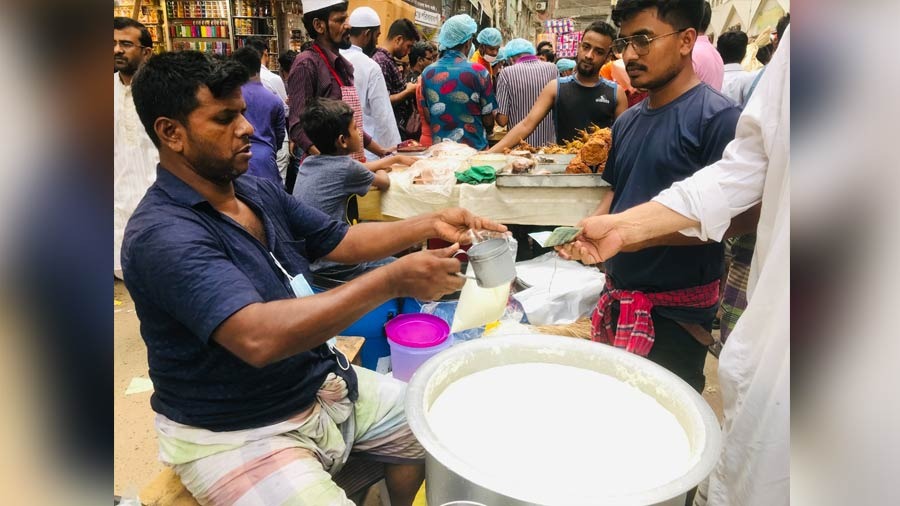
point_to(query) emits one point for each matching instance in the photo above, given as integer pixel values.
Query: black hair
(418, 51)
(681, 14)
(543, 43)
(250, 58)
(167, 84)
(323, 14)
(603, 28)
(286, 59)
(548, 54)
(404, 28)
(356, 31)
(732, 46)
(782, 25)
(121, 23)
(706, 18)
(258, 43)
(764, 54)
(324, 120)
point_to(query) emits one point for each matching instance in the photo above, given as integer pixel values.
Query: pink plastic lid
(417, 330)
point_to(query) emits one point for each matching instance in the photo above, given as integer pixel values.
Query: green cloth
(477, 175)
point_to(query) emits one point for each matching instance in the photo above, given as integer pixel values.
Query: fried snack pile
(591, 148)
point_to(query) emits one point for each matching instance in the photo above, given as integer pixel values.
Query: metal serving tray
(551, 180)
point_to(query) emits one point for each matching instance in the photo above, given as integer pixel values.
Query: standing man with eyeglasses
(660, 302)
(579, 100)
(135, 156)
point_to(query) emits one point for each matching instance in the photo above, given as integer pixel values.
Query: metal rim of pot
(699, 467)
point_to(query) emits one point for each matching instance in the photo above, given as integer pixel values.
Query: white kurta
(135, 158)
(754, 367)
(378, 115)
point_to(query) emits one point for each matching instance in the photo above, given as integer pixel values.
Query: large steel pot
(449, 479)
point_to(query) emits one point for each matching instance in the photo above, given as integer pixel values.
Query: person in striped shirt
(576, 101)
(520, 85)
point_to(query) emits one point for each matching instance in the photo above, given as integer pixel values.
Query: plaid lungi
(292, 462)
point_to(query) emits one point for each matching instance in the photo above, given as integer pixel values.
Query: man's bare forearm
(742, 224)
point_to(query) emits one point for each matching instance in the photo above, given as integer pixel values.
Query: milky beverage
(557, 434)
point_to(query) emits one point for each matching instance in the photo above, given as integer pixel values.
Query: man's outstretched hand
(600, 240)
(453, 225)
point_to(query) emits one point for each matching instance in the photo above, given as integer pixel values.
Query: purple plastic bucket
(413, 339)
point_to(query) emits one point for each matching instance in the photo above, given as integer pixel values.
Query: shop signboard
(428, 12)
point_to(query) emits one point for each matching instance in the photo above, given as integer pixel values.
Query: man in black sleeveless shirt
(579, 100)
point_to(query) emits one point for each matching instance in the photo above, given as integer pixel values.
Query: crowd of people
(234, 183)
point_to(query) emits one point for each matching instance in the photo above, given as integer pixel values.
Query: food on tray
(577, 166)
(591, 147)
(594, 151)
(522, 146)
(522, 165)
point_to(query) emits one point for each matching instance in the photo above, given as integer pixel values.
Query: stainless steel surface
(494, 263)
(563, 158)
(551, 180)
(553, 168)
(449, 478)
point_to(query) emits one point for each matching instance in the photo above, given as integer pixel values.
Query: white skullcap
(315, 5)
(364, 17)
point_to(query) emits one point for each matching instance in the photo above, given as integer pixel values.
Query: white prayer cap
(315, 5)
(364, 17)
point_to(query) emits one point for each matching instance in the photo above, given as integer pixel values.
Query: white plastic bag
(450, 149)
(430, 176)
(561, 291)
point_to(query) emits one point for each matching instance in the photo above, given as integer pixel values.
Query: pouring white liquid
(556, 434)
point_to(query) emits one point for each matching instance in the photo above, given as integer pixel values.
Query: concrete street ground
(136, 462)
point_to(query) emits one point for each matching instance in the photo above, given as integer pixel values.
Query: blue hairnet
(516, 47)
(456, 30)
(490, 37)
(501, 56)
(564, 64)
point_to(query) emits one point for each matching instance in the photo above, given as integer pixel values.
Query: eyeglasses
(125, 44)
(640, 43)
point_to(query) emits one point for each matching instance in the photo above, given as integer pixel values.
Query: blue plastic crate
(371, 325)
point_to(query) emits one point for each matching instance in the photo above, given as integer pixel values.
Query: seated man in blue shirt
(253, 406)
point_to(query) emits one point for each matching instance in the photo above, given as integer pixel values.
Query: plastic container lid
(417, 330)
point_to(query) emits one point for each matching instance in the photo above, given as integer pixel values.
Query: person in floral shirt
(458, 95)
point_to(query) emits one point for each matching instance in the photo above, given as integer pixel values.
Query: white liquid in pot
(557, 434)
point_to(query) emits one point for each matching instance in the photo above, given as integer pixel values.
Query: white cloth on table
(754, 367)
(378, 115)
(516, 206)
(134, 164)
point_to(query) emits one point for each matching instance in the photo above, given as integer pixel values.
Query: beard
(211, 167)
(370, 48)
(343, 42)
(652, 82)
(125, 66)
(584, 69)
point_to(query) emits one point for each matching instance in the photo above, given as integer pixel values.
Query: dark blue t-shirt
(651, 149)
(189, 267)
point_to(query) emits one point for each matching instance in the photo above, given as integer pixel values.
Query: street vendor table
(517, 206)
